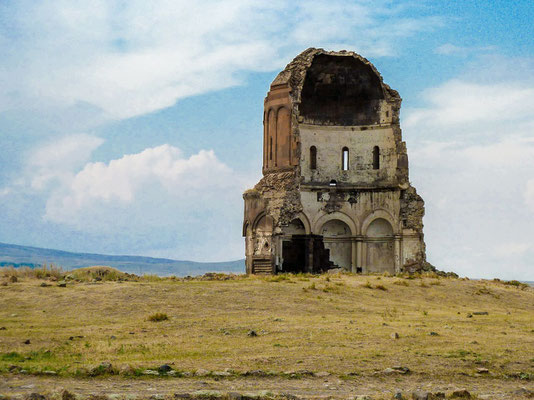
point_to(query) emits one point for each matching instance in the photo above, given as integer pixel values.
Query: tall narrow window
(271, 148)
(313, 157)
(345, 159)
(376, 157)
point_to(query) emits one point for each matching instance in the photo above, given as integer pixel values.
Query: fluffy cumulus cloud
(131, 58)
(188, 203)
(472, 157)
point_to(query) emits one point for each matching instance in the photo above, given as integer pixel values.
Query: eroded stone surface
(335, 191)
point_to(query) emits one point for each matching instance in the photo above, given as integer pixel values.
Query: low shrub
(157, 317)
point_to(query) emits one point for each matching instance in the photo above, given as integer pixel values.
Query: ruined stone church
(335, 191)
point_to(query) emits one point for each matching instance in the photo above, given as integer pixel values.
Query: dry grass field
(349, 326)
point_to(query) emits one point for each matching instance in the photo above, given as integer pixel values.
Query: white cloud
(471, 148)
(122, 179)
(157, 194)
(511, 249)
(529, 194)
(458, 102)
(132, 58)
(57, 160)
(448, 49)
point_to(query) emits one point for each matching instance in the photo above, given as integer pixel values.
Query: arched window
(345, 159)
(313, 157)
(376, 157)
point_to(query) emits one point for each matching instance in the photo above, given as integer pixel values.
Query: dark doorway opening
(305, 253)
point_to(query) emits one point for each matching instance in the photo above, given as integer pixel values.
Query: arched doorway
(380, 247)
(294, 247)
(336, 236)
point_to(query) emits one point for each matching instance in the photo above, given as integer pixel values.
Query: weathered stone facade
(335, 190)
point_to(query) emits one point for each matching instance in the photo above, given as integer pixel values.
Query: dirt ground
(329, 387)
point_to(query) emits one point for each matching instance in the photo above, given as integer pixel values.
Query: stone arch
(283, 136)
(246, 225)
(271, 133)
(305, 221)
(379, 228)
(379, 214)
(379, 242)
(353, 225)
(337, 239)
(262, 230)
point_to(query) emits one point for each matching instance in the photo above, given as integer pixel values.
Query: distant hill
(25, 256)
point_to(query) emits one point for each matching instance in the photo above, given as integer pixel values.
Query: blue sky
(132, 127)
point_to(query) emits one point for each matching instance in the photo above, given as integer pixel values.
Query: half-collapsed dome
(340, 90)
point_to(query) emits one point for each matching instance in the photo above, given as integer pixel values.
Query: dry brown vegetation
(341, 324)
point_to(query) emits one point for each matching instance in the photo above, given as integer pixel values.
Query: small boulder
(13, 279)
(252, 333)
(480, 313)
(460, 394)
(420, 395)
(35, 396)
(62, 284)
(482, 371)
(164, 369)
(150, 372)
(321, 374)
(44, 284)
(395, 335)
(202, 372)
(434, 334)
(396, 370)
(66, 395)
(126, 370)
(27, 341)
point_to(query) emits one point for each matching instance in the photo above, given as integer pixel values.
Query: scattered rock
(113, 337)
(62, 284)
(202, 372)
(3, 328)
(221, 374)
(182, 396)
(395, 335)
(150, 372)
(255, 372)
(35, 396)
(50, 373)
(460, 394)
(529, 394)
(482, 371)
(27, 341)
(164, 369)
(434, 334)
(398, 396)
(252, 333)
(480, 313)
(436, 396)
(103, 368)
(397, 370)
(44, 284)
(336, 271)
(13, 279)
(362, 396)
(469, 315)
(420, 395)
(322, 374)
(126, 370)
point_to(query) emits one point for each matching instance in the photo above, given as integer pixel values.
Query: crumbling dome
(335, 191)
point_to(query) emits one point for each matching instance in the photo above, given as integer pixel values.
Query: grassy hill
(18, 256)
(350, 327)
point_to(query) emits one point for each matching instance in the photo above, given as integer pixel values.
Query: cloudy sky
(132, 127)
